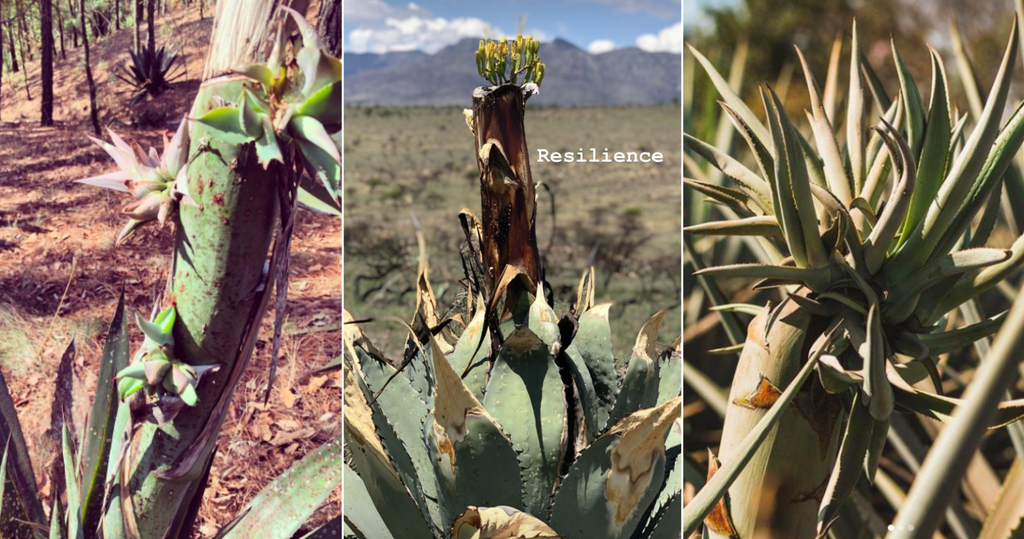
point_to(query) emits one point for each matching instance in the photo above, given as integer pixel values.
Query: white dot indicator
(891, 527)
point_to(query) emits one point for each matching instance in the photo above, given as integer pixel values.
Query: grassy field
(406, 165)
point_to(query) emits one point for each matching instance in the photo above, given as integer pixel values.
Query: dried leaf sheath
(507, 193)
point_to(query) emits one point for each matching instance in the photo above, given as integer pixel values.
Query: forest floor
(56, 235)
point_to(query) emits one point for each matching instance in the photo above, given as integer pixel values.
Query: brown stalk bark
(507, 192)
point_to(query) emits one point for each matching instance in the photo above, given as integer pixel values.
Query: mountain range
(574, 77)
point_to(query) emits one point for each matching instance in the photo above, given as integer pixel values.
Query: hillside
(575, 77)
(55, 234)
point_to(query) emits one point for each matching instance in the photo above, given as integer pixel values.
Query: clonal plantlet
(872, 237)
(230, 181)
(520, 426)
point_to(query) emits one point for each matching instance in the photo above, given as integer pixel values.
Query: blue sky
(429, 25)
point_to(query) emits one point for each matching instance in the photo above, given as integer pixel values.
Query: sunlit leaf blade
(824, 136)
(283, 506)
(98, 433)
(764, 225)
(943, 469)
(730, 97)
(848, 466)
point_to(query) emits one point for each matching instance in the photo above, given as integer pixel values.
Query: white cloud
(425, 33)
(601, 45)
(668, 40)
(367, 10)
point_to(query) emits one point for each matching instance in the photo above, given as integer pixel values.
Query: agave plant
(519, 427)
(88, 468)
(150, 72)
(873, 238)
(232, 242)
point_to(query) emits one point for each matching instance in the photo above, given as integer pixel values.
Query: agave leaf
(466, 445)
(880, 164)
(855, 112)
(705, 500)
(815, 278)
(316, 196)
(319, 69)
(1005, 519)
(224, 124)
(324, 105)
(524, 396)
(735, 102)
(949, 341)
(752, 184)
(390, 496)
(943, 408)
(762, 155)
(250, 120)
(612, 483)
(791, 194)
(762, 225)
(831, 91)
(920, 246)
(875, 392)
(968, 76)
(267, 148)
(911, 100)
(879, 433)
(57, 530)
(640, 384)
(988, 181)
(257, 72)
(593, 346)
(500, 523)
(973, 286)
(321, 164)
(884, 233)
(283, 506)
(935, 483)
(360, 513)
(848, 465)
(738, 201)
(399, 415)
(330, 530)
(471, 360)
(935, 153)
(878, 93)
(824, 136)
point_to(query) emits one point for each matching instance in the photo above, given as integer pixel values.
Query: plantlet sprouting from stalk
(157, 181)
(878, 263)
(156, 369)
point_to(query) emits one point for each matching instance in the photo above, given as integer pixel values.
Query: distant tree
(151, 36)
(329, 25)
(138, 25)
(46, 35)
(88, 72)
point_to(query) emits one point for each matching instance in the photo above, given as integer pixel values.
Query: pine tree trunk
(93, 116)
(46, 34)
(151, 35)
(14, 55)
(138, 25)
(117, 14)
(60, 28)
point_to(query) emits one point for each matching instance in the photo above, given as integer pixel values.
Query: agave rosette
(157, 181)
(295, 102)
(879, 233)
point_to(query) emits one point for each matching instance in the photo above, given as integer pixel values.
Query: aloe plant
(150, 72)
(520, 426)
(872, 238)
(256, 145)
